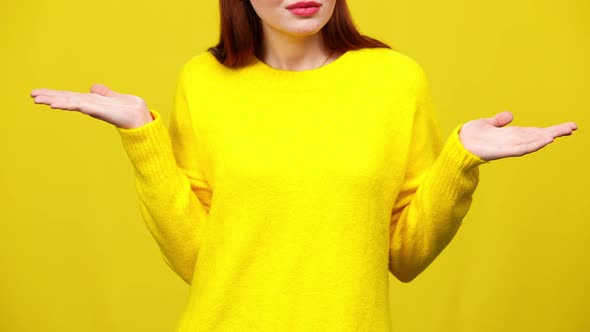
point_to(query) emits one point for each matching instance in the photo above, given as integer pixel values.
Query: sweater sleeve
(173, 194)
(435, 195)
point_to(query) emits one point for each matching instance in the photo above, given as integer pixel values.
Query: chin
(303, 29)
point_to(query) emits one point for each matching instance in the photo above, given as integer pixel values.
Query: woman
(301, 165)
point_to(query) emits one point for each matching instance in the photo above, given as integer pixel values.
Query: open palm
(121, 110)
(488, 138)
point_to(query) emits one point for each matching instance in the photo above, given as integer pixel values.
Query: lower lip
(305, 11)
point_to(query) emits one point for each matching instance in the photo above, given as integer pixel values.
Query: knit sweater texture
(285, 198)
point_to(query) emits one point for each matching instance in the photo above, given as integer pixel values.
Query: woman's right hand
(121, 110)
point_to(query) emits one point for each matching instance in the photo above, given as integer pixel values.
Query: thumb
(102, 90)
(501, 119)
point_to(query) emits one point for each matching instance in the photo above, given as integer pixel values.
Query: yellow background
(76, 255)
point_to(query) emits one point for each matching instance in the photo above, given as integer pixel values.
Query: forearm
(169, 207)
(429, 222)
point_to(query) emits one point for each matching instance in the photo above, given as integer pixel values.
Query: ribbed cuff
(149, 149)
(456, 170)
(456, 155)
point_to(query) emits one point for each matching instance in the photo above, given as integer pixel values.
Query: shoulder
(389, 58)
(202, 63)
(200, 68)
(202, 60)
(392, 67)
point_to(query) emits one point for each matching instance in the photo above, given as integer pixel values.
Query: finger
(47, 100)
(561, 129)
(37, 92)
(103, 90)
(573, 125)
(59, 102)
(64, 103)
(49, 92)
(42, 99)
(501, 119)
(533, 146)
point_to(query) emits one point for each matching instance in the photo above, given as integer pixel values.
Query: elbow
(187, 279)
(184, 273)
(405, 276)
(404, 273)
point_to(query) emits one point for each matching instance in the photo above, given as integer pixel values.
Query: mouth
(304, 8)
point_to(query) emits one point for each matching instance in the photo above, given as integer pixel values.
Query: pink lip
(304, 8)
(304, 4)
(304, 11)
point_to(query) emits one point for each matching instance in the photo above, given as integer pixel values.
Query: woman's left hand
(487, 139)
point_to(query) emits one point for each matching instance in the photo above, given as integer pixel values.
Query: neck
(290, 52)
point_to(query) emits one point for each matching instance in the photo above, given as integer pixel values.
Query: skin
(295, 43)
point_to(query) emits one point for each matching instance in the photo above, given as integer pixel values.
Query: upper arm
(424, 144)
(187, 144)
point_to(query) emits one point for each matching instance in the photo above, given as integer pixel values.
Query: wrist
(142, 120)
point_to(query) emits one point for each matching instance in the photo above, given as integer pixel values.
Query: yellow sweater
(284, 198)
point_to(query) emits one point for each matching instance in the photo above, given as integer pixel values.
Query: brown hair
(241, 33)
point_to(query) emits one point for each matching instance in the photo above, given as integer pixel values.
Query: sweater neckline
(310, 78)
